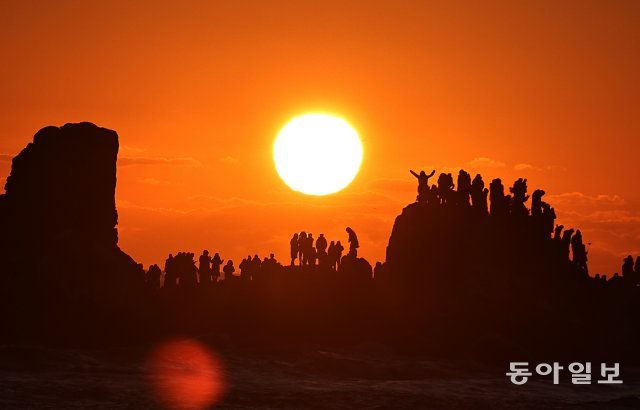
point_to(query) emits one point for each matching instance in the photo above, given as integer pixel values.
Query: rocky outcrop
(58, 235)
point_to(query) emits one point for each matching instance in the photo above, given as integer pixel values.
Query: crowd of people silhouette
(182, 269)
(308, 252)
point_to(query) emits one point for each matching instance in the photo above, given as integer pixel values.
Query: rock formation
(58, 236)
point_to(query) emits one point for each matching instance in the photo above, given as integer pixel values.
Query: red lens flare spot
(185, 375)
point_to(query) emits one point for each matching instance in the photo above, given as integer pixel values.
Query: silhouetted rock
(58, 236)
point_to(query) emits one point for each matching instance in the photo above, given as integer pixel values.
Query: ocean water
(358, 377)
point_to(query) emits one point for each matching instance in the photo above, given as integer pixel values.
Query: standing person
(339, 249)
(353, 242)
(302, 244)
(294, 248)
(309, 248)
(228, 270)
(423, 184)
(215, 267)
(321, 244)
(170, 275)
(204, 268)
(331, 255)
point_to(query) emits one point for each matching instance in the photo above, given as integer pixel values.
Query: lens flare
(185, 375)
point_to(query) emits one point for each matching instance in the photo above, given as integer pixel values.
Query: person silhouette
(331, 255)
(536, 203)
(215, 267)
(423, 184)
(579, 251)
(353, 242)
(204, 268)
(499, 202)
(338, 255)
(321, 244)
(464, 187)
(479, 195)
(302, 245)
(313, 256)
(518, 198)
(228, 270)
(293, 243)
(309, 246)
(256, 266)
(627, 267)
(445, 188)
(171, 274)
(245, 268)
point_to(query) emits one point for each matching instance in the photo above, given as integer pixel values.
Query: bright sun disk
(317, 154)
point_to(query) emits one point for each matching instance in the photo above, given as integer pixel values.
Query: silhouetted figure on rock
(536, 204)
(331, 252)
(627, 268)
(479, 195)
(313, 256)
(294, 247)
(229, 270)
(302, 248)
(171, 274)
(445, 188)
(310, 248)
(256, 267)
(353, 242)
(548, 219)
(338, 255)
(216, 262)
(518, 199)
(204, 268)
(335, 254)
(499, 202)
(188, 273)
(464, 187)
(321, 244)
(423, 184)
(245, 268)
(579, 252)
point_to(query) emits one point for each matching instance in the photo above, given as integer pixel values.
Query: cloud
(573, 199)
(229, 160)
(5, 158)
(484, 162)
(186, 161)
(524, 167)
(556, 168)
(130, 150)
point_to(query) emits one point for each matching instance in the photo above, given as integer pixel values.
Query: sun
(317, 154)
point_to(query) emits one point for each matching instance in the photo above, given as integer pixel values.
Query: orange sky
(198, 90)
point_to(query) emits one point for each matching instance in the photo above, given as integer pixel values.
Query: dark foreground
(363, 377)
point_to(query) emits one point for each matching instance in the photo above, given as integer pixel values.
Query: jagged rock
(58, 236)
